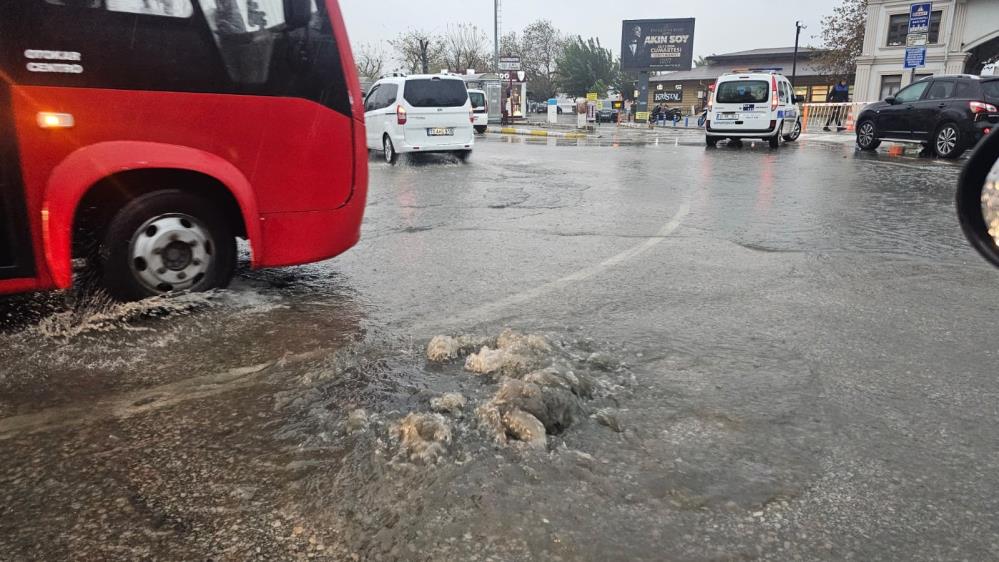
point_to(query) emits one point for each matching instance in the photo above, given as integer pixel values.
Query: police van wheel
(711, 142)
(164, 242)
(775, 140)
(795, 132)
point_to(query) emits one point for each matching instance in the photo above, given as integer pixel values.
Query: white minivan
(756, 104)
(480, 107)
(419, 113)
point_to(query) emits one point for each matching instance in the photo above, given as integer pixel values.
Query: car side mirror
(297, 13)
(978, 199)
(799, 99)
(890, 100)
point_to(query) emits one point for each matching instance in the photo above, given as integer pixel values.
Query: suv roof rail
(393, 75)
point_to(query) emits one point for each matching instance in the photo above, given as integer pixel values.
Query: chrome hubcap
(867, 134)
(388, 150)
(796, 131)
(947, 140)
(171, 253)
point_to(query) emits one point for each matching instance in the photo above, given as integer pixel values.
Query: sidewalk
(535, 132)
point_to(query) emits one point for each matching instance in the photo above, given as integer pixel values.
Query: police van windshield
(743, 91)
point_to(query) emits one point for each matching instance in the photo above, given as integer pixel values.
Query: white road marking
(492, 309)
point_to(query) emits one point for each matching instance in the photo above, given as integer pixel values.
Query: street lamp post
(794, 67)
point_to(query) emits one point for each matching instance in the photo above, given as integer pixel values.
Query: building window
(819, 94)
(890, 85)
(898, 28)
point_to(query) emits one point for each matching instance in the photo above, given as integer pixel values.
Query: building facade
(964, 36)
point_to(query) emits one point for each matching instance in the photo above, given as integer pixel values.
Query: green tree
(843, 38)
(586, 66)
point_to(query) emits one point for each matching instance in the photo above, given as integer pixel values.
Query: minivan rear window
(478, 99)
(743, 91)
(434, 92)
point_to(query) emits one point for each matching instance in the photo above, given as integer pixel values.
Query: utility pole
(794, 68)
(496, 31)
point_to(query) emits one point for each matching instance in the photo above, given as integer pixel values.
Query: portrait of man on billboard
(636, 46)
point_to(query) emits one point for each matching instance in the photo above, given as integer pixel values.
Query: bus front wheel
(164, 242)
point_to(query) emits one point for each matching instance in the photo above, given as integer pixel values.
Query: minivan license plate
(440, 132)
(728, 116)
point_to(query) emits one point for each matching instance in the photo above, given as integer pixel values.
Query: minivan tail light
(471, 115)
(775, 95)
(982, 107)
(400, 115)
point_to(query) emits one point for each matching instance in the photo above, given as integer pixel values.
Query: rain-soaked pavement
(751, 355)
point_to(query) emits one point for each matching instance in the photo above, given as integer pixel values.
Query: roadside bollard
(686, 122)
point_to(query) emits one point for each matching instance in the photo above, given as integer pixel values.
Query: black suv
(948, 114)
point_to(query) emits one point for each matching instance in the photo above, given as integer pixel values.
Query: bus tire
(167, 241)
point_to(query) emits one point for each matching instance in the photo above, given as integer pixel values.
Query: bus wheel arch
(125, 197)
(111, 174)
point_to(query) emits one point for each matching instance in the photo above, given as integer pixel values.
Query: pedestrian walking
(840, 93)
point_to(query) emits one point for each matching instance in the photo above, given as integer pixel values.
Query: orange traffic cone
(850, 123)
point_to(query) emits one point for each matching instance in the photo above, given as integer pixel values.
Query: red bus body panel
(297, 169)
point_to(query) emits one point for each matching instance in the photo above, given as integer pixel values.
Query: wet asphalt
(796, 355)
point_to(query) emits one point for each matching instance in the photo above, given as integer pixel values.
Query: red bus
(140, 138)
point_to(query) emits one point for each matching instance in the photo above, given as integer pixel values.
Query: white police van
(756, 104)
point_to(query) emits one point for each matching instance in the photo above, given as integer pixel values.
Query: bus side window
(170, 8)
(246, 32)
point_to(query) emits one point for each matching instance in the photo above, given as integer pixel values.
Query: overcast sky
(722, 25)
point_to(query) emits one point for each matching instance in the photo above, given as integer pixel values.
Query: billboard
(657, 44)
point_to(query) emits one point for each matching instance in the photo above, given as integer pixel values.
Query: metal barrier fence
(816, 116)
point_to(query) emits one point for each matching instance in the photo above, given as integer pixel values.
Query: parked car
(419, 113)
(753, 105)
(608, 114)
(947, 114)
(480, 107)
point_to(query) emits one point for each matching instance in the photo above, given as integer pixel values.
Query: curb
(535, 133)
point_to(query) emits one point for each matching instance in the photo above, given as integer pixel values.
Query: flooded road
(738, 354)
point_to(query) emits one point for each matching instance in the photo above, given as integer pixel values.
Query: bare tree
(542, 45)
(370, 60)
(420, 51)
(465, 48)
(843, 38)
